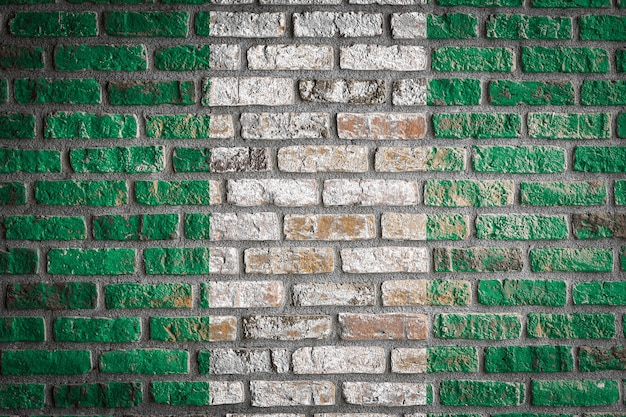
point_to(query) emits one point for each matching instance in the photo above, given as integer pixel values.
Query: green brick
(468, 193)
(477, 125)
(620, 192)
(131, 295)
(22, 396)
(600, 158)
(173, 193)
(522, 292)
(80, 125)
(518, 159)
(451, 359)
(481, 393)
(574, 393)
(131, 160)
(52, 296)
(521, 227)
(564, 59)
(180, 329)
(621, 125)
(192, 160)
(622, 259)
(481, 3)
(17, 126)
(599, 225)
(602, 28)
(571, 260)
(74, 261)
(532, 93)
(451, 26)
(446, 227)
(620, 61)
(453, 92)
(592, 359)
(181, 393)
(529, 359)
(147, 24)
(477, 259)
(31, 161)
(603, 92)
(13, 57)
(473, 59)
(177, 261)
(46, 362)
(197, 225)
(22, 329)
(571, 193)
(569, 125)
(610, 293)
(12, 194)
(183, 58)
(18, 261)
(448, 292)
(111, 1)
(3, 2)
(56, 91)
(99, 330)
(53, 24)
(45, 228)
(518, 27)
(532, 415)
(477, 326)
(137, 227)
(100, 57)
(563, 4)
(571, 326)
(179, 126)
(4, 90)
(104, 394)
(151, 93)
(81, 193)
(145, 361)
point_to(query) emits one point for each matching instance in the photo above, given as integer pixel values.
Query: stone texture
(280, 192)
(387, 259)
(410, 25)
(382, 58)
(285, 125)
(291, 57)
(381, 126)
(342, 90)
(370, 193)
(409, 92)
(339, 360)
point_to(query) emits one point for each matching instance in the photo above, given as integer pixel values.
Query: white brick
(329, 24)
(323, 159)
(245, 294)
(244, 226)
(240, 159)
(261, 91)
(225, 57)
(282, 260)
(329, 227)
(340, 192)
(287, 327)
(226, 392)
(283, 192)
(408, 25)
(331, 293)
(248, 361)
(404, 226)
(285, 125)
(223, 261)
(291, 57)
(405, 292)
(343, 91)
(305, 2)
(247, 25)
(379, 57)
(291, 393)
(409, 92)
(409, 360)
(386, 259)
(386, 394)
(339, 360)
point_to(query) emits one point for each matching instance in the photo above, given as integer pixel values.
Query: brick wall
(312, 207)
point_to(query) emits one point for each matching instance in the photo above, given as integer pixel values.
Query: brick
(599, 293)
(602, 27)
(339, 360)
(419, 159)
(481, 3)
(97, 329)
(44, 228)
(518, 159)
(52, 296)
(386, 259)
(100, 57)
(410, 92)
(529, 359)
(240, 24)
(570, 4)
(219, 160)
(478, 326)
(132, 295)
(388, 326)
(619, 192)
(107, 394)
(287, 327)
(22, 329)
(477, 125)
(533, 93)
(481, 393)
(453, 92)
(242, 294)
(177, 193)
(537, 59)
(473, 59)
(247, 91)
(189, 126)
(571, 326)
(341, 90)
(603, 93)
(279, 192)
(229, 361)
(621, 125)
(521, 292)
(407, 226)
(381, 126)
(147, 24)
(19, 395)
(387, 394)
(410, 25)
(180, 329)
(451, 26)
(518, 27)
(131, 160)
(80, 125)
(620, 62)
(74, 261)
(53, 24)
(290, 57)
(291, 393)
(46, 362)
(451, 359)
(477, 259)
(18, 261)
(333, 227)
(198, 57)
(232, 226)
(285, 125)
(57, 91)
(421, 292)
(370, 192)
(598, 225)
(331, 293)
(13, 57)
(181, 393)
(382, 58)
(600, 158)
(569, 193)
(297, 260)
(81, 193)
(574, 393)
(571, 260)
(145, 361)
(184, 261)
(521, 227)
(12, 194)
(323, 159)
(151, 93)
(468, 193)
(30, 161)
(136, 227)
(17, 126)
(591, 359)
(329, 24)
(569, 125)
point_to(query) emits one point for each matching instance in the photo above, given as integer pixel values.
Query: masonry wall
(312, 207)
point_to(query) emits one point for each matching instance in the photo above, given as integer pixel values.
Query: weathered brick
(135, 227)
(477, 259)
(481, 393)
(80, 125)
(473, 59)
(329, 227)
(185, 261)
(519, 292)
(247, 91)
(290, 57)
(240, 24)
(453, 92)
(107, 394)
(619, 192)
(468, 193)
(189, 126)
(331, 293)
(339, 360)
(408, 226)
(599, 293)
(410, 92)
(175, 193)
(292, 393)
(518, 159)
(44, 228)
(518, 26)
(600, 158)
(52, 296)
(602, 27)
(129, 160)
(410, 25)
(477, 326)
(387, 394)
(592, 359)
(151, 93)
(434, 359)
(477, 125)
(22, 329)
(147, 24)
(340, 90)
(296, 260)
(100, 57)
(242, 294)
(97, 329)
(603, 93)
(145, 361)
(232, 226)
(12, 194)
(132, 295)
(17, 126)
(198, 57)
(81, 193)
(387, 326)
(533, 93)
(451, 26)
(568, 393)
(571, 260)
(18, 261)
(370, 192)
(567, 193)
(30, 161)
(562, 4)
(13, 57)
(620, 66)
(564, 59)
(181, 393)
(571, 326)
(481, 3)
(521, 227)
(529, 359)
(382, 58)
(75, 261)
(287, 327)
(46, 362)
(329, 24)
(53, 24)
(569, 125)
(192, 329)
(599, 225)
(381, 126)
(280, 192)
(323, 159)
(230, 361)
(420, 292)
(18, 395)
(285, 125)
(386, 259)
(56, 91)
